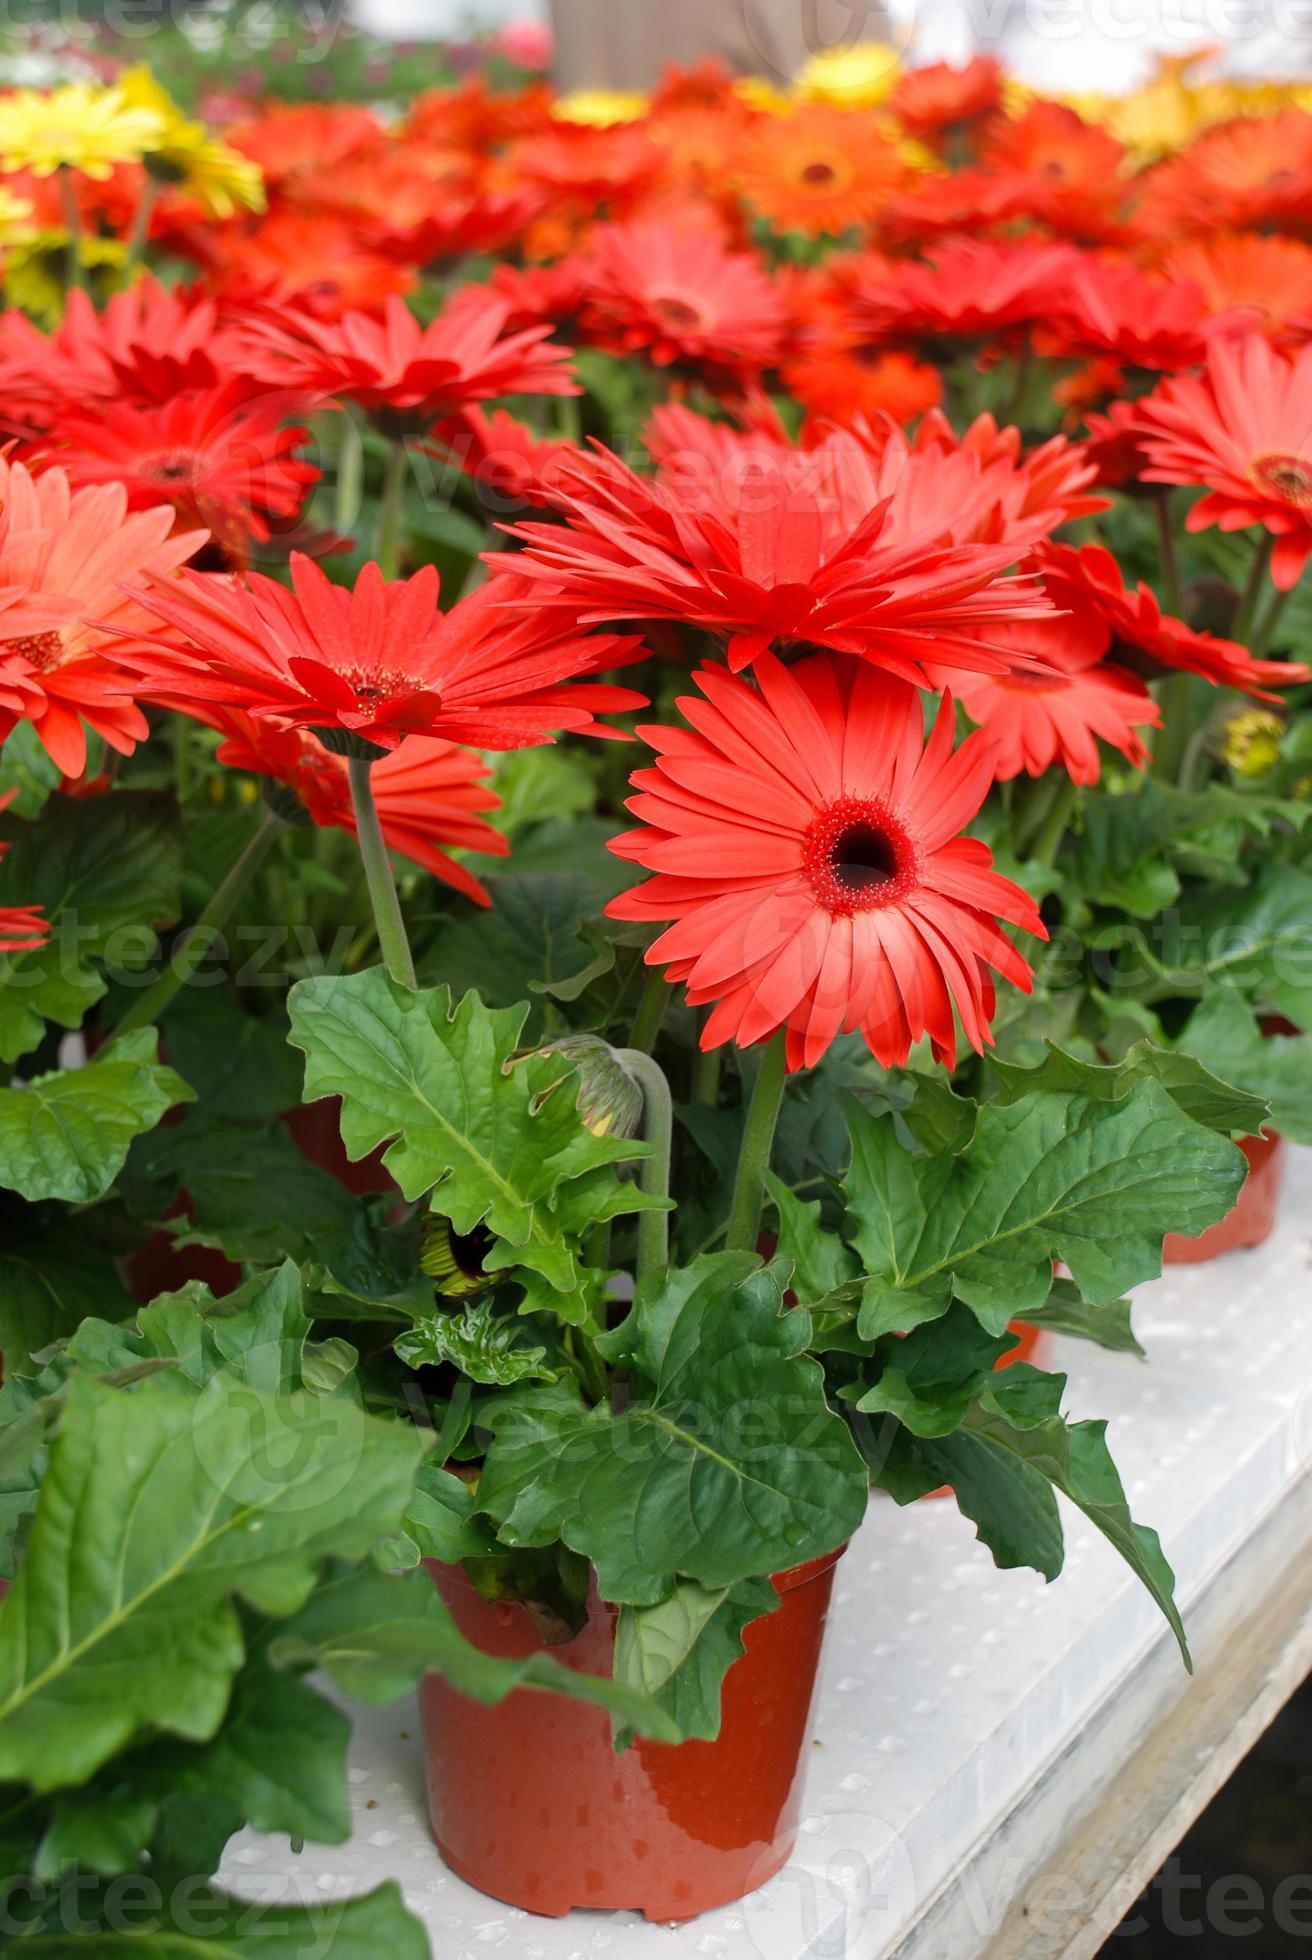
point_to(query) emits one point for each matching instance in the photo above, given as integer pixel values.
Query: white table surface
(951, 1692)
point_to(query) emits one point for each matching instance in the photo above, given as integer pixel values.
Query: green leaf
(1065, 1311)
(252, 1193)
(1259, 940)
(106, 872)
(49, 1284)
(727, 1463)
(1051, 1177)
(1019, 1413)
(156, 1511)
(532, 940)
(376, 1634)
(26, 771)
(1011, 1505)
(484, 1345)
(442, 1519)
(239, 1064)
(1207, 1097)
(929, 1379)
(257, 1333)
(1225, 1036)
(679, 1651)
(66, 1134)
(480, 1135)
(821, 1262)
(194, 1920)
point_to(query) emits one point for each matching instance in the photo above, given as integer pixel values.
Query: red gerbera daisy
(309, 260)
(788, 563)
(1053, 167)
(679, 296)
(64, 556)
(1143, 636)
(513, 468)
(221, 460)
(1244, 430)
(541, 295)
(806, 845)
(287, 138)
(380, 662)
(22, 928)
(939, 100)
(407, 375)
(972, 289)
(604, 170)
(1109, 308)
(427, 793)
(1058, 711)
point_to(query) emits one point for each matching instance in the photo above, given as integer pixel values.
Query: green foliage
(679, 1650)
(1225, 1035)
(107, 873)
(66, 1134)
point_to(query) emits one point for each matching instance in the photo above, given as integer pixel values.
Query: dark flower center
(858, 856)
(678, 313)
(175, 468)
(44, 650)
(819, 173)
(1286, 477)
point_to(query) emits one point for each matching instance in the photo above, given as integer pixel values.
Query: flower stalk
(654, 1169)
(758, 1142)
(393, 941)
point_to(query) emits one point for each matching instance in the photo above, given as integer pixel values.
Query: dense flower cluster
(891, 346)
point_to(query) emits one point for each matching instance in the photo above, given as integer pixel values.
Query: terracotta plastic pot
(530, 1803)
(316, 1130)
(1253, 1218)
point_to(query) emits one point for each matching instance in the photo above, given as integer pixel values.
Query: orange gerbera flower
(428, 793)
(806, 844)
(287, 138)
(401, 207)
(597, 170)
(64, 558)
(941, 101)
(380, 662)
(1267, 280)
(839, 375)
(1056, 712)
(820, 171)
(1243, 429)
(1060, 171)
(680, 297)
(1244, 176)
(313, 261)
(477, 117)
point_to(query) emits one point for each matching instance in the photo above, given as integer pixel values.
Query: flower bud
(609, 1100)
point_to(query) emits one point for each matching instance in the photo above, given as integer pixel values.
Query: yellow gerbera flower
(760, 94)
(78, 126)
(186, 154)
(853, 78)
(600, 108)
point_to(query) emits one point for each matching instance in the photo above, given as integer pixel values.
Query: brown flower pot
(530, 1803)
(1253, 1218)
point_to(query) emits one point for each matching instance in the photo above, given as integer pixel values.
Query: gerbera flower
(1057, 711)
(380, 662)
(1144, 638)
(406, 209)
(939, 100)
(1110, 309)
(855, 77)
(78, 126)
(1268, 280)
(224, 462)
(600, 108)
(973, 289)
(806, 844)
(314, 262)
(427, 793)
(838, 374)
(22, 928)
(1246, 176)
(772, 557)
(821, 171)
(145, 345)
(1060, 171)
(513, 468)
(1243, 429)
(404, 374)
(286, 138)
(598, 170)
(64, 556)
(186, 157)
(541, 295)
(679, 296)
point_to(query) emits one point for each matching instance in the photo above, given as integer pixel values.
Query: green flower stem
(1172, 592)
(1265, 626)
(706, 1076)
(391, 508)
(651, 1011)
(193, 947)
(1252, 592)
(1048, 838)
(77, 272)
(653, 1170)
(392, 939)
(1171, 740)
(350, 468)
(140, 232)
(754, 1153)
